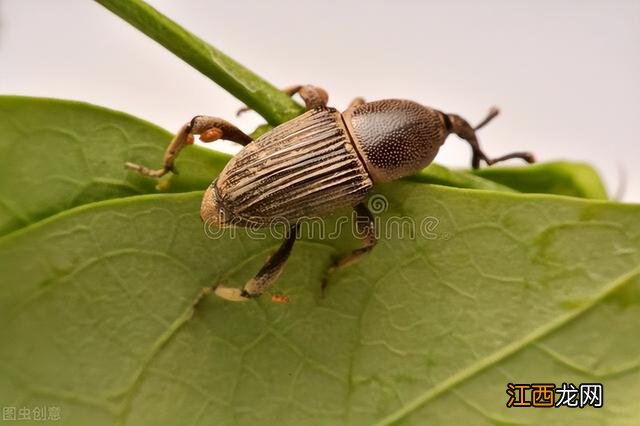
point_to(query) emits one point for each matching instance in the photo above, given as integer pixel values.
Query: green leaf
(560, 177)
(96, 315)
(86, 147)
(440, 175)
(55, 155)
(271, 103)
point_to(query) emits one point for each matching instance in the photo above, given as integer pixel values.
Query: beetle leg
(463, 129)
(266, 276)
(209, 129)
(366, 229)
(313, 97)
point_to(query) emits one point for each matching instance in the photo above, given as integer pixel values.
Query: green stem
(265, 99)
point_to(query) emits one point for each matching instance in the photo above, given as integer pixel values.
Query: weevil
(320, 161)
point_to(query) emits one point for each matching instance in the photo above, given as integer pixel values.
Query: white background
(566, 74)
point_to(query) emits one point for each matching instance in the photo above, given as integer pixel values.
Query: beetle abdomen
(306, 167)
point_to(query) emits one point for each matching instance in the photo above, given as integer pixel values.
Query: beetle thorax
(395, 138)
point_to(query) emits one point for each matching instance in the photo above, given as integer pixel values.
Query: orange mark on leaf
(280, 298)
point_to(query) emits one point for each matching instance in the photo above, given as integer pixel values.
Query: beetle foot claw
(157, 173)
(231, 293)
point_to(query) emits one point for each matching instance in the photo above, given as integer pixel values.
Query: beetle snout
(211, 211)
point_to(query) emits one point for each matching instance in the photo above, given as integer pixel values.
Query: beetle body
(317, 163)
(305, 167)
(322, 161)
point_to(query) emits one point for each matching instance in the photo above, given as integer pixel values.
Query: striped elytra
(306, 167)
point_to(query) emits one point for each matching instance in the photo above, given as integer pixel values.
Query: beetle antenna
(463, 129)
(493, 113)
